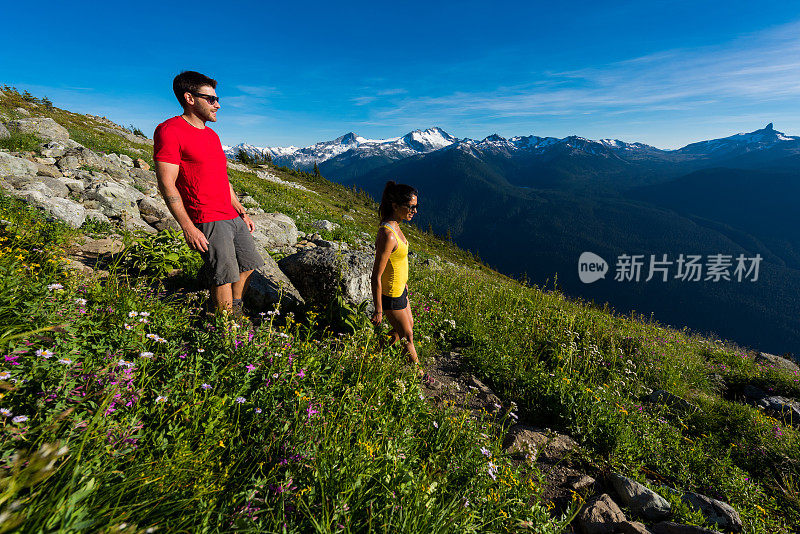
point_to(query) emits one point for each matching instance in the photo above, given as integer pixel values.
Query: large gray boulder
(720, 513)
(43, 127)
(270, 286)
(274, 230)
(641, 500)
(12, 165)
(4, 133)
(319, 272)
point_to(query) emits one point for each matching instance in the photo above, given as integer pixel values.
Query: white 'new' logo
(591, 267)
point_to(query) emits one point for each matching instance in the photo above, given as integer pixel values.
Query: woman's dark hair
(397, 194)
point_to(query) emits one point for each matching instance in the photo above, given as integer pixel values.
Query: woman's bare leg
(402, 324)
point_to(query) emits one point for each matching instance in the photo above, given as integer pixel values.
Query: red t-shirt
(203, 175)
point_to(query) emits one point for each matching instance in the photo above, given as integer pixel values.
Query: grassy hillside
(127, 411)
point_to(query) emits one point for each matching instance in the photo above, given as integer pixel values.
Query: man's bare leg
(222, 296)
(238, 288)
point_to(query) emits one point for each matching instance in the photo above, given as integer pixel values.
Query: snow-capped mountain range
(413, 143)
(351, 148)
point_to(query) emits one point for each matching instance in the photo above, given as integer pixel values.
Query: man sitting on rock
(192, 173)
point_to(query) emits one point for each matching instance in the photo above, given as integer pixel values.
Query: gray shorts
(231, 250)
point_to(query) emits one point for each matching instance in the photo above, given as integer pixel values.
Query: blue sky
(663, 73)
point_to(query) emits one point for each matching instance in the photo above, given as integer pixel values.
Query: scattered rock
(347, 217)
(137, 224)
(668, 527)
(43, 127)
(641, 500)
(154, 211)
(720, 513)
(47, 185)
(68, 163)
(115, 199)
(4, 133)
(600, 516)
(96, 215)
(126, 160)
(22, 111)
(106, 245)
(325, 224)
(529, 443)
(53, 149)
(47, 170)
(139, 163)
(13, 165)
(318, 272)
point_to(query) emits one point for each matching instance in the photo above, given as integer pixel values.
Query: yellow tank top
(395, 275)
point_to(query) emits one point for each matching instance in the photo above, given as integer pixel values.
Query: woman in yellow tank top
(390, 271)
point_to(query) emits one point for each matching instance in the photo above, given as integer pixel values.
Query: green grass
(293, 431)
(586, 371)
(20, 142)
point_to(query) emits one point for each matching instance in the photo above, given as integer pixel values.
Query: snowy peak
(765, 138)
(348, 139)
(428, 140)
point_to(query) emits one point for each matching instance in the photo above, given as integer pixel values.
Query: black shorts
(231, 250)
(395, 303)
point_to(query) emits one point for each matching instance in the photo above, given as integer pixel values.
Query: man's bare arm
(167, 174)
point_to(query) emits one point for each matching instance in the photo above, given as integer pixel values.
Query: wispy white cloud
(363, 100)
(257, 90)
(753, 69)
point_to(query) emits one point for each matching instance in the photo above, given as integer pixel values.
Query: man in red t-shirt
(192, 173)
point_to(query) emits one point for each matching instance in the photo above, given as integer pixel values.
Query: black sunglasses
(208, 98)
(412, 207)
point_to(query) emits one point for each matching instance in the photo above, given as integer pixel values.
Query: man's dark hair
(190, 81)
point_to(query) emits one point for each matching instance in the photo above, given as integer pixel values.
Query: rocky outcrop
(720, 513)
(270, 286)
(320, 272)
(641, 500)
